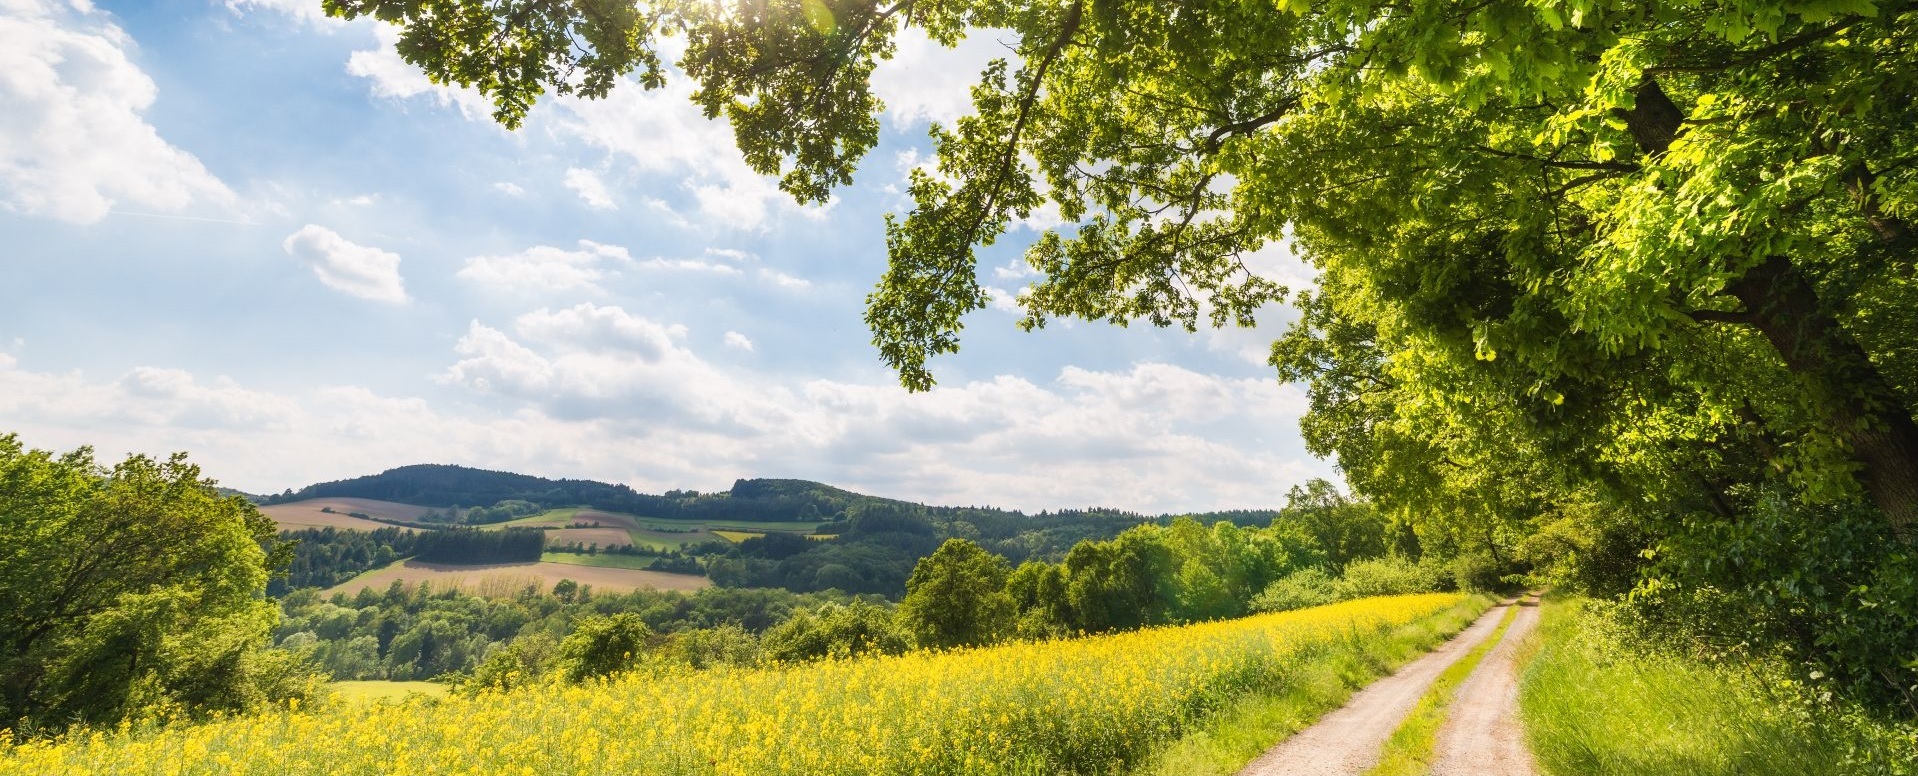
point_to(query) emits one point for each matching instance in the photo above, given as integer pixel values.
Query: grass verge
(1254, 722)
(1596, 705)
(1409, 751)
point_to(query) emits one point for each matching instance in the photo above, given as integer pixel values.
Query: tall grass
(1085, 706)
(1594, 705)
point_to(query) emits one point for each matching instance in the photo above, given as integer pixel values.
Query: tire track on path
(1347, 741)
(1482, 735)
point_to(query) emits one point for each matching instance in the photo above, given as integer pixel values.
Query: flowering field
(1079, 706)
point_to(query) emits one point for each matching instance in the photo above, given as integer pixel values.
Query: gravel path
(1346, 742)
(1482, 735)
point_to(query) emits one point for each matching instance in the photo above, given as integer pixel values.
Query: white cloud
(784, 280)
(925, 81)
(1151, 437)
(1004, 301)
(362, 200)
(308, 11)
(509, 189)
(73, 143)
(733, 340)
(392, 78)
(600, 393)
(687, 265)
(590, 189)
(545, 268)
(357, 270)
(732, 254)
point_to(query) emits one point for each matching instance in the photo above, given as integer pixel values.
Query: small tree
(130, 590)
(957, 597)
(602, 646)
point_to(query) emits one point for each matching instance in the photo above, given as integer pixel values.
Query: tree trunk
(1863, 409)
(1784, 306)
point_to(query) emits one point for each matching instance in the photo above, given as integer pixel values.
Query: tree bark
(1863, 409)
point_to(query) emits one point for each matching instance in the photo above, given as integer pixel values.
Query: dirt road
(1482, 735)
(1346, 742)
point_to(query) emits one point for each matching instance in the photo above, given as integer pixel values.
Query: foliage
(835, 631)
(1594, 701)
(468, 546)
(603, 645)
(1389, 576)
(129, 592)
(409, 633)
(1091, 705)
(1302, 589)
(957, 598)
(324, 557)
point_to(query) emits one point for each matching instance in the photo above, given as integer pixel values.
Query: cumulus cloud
(1153, 436)
(925, 81)
(590, 189)
(544, 268)
(733, 340)
(509, 189)
(307, 11)
(392, 78)
(73, 143)
(356, 270)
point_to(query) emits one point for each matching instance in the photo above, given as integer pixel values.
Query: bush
(1299, 590)
(835, 631)
(603, 646)
(1388, 576)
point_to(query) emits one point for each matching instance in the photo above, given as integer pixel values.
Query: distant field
(310, 514)
(604, 537)
(740, 536)
(360, 693)
(506, 578)
(657, 533)
(603, 560)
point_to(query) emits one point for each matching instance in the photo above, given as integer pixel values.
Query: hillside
(449, 487)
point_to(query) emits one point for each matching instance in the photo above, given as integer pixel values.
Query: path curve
(1347, 741)
(1482, 734)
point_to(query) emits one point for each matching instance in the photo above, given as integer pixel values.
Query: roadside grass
(1594, 707)
(1409, 751)
(601, 560)
(1246, 727)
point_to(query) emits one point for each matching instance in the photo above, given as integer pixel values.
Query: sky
(243, 230)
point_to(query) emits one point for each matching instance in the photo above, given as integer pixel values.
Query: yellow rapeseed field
(1078, 706)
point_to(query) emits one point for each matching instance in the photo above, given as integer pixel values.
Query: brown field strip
(508, 578)
(310, 514)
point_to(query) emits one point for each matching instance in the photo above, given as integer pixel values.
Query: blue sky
(240, 229)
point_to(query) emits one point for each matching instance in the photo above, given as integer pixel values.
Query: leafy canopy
(135, 591)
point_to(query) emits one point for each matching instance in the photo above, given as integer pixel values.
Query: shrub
(1298, 590)
(1388, 576)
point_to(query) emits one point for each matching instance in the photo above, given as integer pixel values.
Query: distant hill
(444, 486)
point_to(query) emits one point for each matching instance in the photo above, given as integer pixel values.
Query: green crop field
(601, 560)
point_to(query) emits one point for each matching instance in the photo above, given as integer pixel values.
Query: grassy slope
(1254, 723)
(1595, 710)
